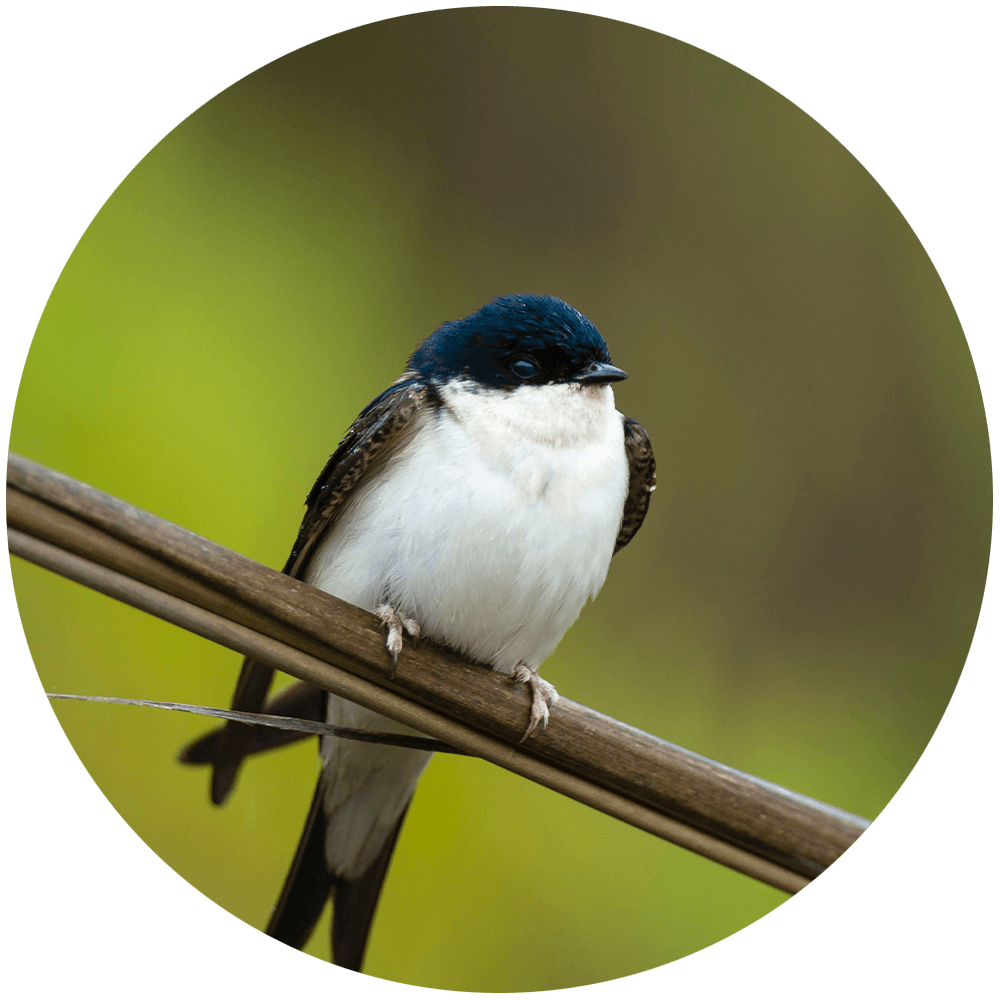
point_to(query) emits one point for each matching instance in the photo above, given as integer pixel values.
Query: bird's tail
(309, 884)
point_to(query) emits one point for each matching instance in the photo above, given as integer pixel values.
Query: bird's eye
(525, 368)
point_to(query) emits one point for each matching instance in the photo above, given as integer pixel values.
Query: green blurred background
(802, 596)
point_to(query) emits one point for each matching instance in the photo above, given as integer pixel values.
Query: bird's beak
(599, 373)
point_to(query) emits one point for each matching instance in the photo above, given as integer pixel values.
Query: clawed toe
(397, 626)
(543, 695)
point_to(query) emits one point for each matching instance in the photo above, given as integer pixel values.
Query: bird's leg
(543, 694)
(397, 626)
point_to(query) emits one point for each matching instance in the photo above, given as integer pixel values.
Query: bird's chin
(595, 390)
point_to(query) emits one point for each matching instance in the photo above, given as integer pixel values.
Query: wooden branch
(739, 820)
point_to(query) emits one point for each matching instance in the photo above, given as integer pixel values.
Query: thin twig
(275, 722)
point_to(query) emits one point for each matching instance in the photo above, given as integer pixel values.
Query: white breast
(491, 528)
(494, 525)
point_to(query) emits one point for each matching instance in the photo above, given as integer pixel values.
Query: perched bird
(478, 502)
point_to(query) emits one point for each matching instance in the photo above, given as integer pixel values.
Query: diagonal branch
(739, 820)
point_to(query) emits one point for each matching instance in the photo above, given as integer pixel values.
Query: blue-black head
(517, 340)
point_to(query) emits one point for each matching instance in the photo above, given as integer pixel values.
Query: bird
(477, 502)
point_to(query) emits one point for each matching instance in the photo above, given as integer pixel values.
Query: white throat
(494, 525)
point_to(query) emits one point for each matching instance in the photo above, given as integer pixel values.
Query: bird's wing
(641, 480)
(381, 429)
(386, 424)
(298, 701)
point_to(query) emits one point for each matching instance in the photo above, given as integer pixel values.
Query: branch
(744, 822)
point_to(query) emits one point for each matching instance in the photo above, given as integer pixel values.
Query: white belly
(490, 538)
(492, 528)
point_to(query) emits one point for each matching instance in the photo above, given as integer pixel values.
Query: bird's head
(517, 340)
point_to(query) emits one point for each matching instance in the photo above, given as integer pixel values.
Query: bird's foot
(387, 615)
(543, 695)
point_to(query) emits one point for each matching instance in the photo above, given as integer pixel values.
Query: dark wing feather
(298, 701)
(641, 481)
(308, 885)
(384, 426)
(354, 903)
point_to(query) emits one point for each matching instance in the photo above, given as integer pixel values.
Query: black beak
(600, 373)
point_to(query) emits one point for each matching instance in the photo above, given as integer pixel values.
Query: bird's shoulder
(641, 480)
(384, 426)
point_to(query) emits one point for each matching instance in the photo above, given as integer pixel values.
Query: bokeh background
(802, 596)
